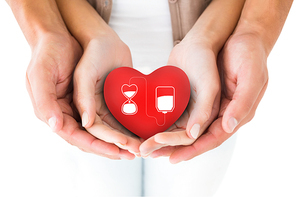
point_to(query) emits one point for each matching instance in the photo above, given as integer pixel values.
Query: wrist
(202, 40)
(96, 35)
(38, 19)
(264, 22)
(258, 32)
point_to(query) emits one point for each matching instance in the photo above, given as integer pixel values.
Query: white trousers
(94, 176)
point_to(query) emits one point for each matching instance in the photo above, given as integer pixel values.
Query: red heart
(147, 104)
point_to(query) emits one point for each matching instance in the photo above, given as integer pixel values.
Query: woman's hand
(101, 56)
(197, 55)
(199, 63)
(103, 51)
(244, 76)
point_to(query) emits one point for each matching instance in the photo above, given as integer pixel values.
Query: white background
(263, 162)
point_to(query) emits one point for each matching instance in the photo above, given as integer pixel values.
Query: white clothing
(145, 26)
(43, 164)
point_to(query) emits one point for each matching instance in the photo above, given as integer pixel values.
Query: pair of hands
(216, 109)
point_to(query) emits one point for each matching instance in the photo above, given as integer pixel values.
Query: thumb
(42, 91)
(202, 112)
(244, 100)
(84, 95)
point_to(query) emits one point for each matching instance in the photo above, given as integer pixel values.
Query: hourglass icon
(129, 107)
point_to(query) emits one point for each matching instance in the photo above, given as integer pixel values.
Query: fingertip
(85, 119)
(88, 118)
(52, 123)
(231, 123)
(175, 160)
(194, 132)
(55, 123)
(160, 138)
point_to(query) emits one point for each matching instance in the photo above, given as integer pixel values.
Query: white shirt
(145, 26)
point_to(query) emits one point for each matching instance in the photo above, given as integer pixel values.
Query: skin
(55, 54)
(243, 72)
(196, 55)
(231, 99)
(202, 43)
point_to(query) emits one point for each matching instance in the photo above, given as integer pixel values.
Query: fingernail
(195, 130)
(232, 123)
(136, 154)
(84, 119)
(120, 145)
(52, 122)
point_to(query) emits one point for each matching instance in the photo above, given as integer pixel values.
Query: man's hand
(244, 77)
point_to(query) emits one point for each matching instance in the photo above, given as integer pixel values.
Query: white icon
(129, 107)
(165, 99)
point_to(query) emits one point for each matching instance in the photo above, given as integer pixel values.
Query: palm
(243, 73)
(200, 81)
(100, 58)
(200, 66)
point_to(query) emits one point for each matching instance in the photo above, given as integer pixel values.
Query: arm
(216, 24)
(256, 33)
(243, 69)
(265, 19)
(196, 55)
(37, 19)
(55, 54)
(103, 52)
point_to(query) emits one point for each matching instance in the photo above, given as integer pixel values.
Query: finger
(165, 139)
(84, 140)
(133, 142)
(106, 133)
(213, 138)
(173, 138)
(148, 146)
(247, 91)
(124, 154)
(250, 116)
(163, 152)
(42, 90)
(84, 92)
(202, 112)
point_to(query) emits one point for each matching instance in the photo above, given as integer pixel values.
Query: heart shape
(147, 104)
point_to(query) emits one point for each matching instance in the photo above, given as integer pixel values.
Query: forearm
(216, 24)
(83, 21)
(265, 19)
(37, 18)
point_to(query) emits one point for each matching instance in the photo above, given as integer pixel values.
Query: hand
(244, 75)
(199, 63)
(101, 56)
(49, 83)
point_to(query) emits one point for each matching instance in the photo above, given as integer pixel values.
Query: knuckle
(206, 114)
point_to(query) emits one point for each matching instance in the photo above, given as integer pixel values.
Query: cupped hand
(199, 63)
(101, 56)
(243, 71)
(49, 76)
(49, 83)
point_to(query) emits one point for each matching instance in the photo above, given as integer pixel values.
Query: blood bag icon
(165, 99)
(129, 107)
